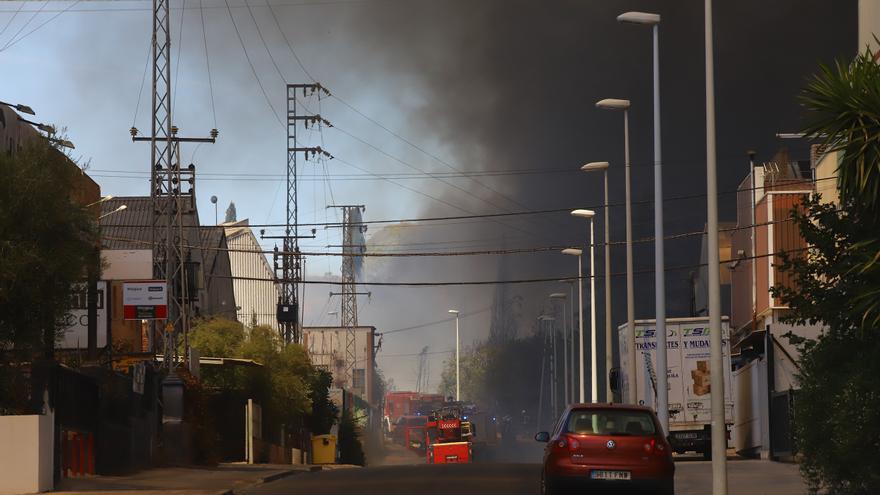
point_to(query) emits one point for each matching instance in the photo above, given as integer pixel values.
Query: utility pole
(352, 246)
(291, 261)
(167, 182)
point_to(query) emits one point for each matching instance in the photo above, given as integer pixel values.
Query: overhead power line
(14, 41)
(518, 281)
(511, 214)
(433, 323)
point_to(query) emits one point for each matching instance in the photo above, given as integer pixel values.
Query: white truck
(688, 375)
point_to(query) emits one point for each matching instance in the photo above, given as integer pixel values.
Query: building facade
(127, 254)
(327, 349)
(765, 362)
(256, 293)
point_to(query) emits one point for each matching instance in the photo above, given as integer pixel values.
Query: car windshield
(610, 422)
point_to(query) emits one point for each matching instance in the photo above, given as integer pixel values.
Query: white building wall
(327, 349)
(26, 453)
(869, 24)
(248, 263)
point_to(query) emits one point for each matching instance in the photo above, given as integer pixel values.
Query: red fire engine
(448, 437)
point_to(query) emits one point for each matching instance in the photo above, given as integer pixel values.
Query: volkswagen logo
(610, 444)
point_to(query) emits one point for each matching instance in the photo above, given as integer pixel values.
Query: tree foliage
(46, 243)
(351, 450)
(501, 375)
(843, 112)
(290, 389)
(837, 417)
(837, 283)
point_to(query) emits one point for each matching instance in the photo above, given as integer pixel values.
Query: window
(358, 379)
(610, 422)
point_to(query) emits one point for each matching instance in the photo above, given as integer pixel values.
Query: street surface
(746, 477)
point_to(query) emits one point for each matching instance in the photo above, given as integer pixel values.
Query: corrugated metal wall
(253, 297)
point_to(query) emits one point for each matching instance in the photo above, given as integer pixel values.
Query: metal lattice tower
(352, 246)
(290, 259)
(167, 181)
(349, 295)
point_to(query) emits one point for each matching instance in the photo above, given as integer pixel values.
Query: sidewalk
(223, 479)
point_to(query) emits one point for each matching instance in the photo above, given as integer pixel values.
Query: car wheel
(707, 454)
(668, 487)
(546, 485)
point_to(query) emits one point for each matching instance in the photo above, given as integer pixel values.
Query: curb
(268, 479)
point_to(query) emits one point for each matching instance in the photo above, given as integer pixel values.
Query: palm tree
(843, 112)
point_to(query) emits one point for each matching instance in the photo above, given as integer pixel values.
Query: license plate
(452, 458)
(686, 435)
(610, 475)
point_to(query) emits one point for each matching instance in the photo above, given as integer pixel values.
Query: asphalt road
(692, 478)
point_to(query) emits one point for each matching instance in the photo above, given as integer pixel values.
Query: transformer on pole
(291, 262)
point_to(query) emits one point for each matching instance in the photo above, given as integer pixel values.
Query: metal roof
(132, 228)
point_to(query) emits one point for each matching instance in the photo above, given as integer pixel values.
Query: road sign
(145, 300)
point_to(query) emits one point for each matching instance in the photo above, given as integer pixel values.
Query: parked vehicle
(612, 446)
(403, 429)
(397, 405)
(688, 375)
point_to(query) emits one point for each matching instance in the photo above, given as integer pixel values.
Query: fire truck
(448, 436)
(397, 405)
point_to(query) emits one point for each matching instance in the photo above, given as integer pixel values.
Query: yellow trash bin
(324, 449)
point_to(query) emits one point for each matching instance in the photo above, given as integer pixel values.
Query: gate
(782, 442)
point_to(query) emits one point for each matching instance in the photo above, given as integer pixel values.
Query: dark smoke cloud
(511, 84)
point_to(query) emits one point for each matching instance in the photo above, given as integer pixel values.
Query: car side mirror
(542, 436)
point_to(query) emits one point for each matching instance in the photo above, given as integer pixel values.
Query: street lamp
(719, 433)
(457, 363)
(103, 198)
(560, 295)
(214, 202)
(21, 108)
(117, 210)
(594, 381)
(579, 252)
(47, 128)
(50, 130)
(653, 20)
(614, 104)
(609, 358)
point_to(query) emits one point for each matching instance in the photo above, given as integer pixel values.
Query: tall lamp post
(565, 338)
(719, 433)
(214, 202)
(653, 20)
(457, 363)
(609, 357)
(594, 351)
(632, 398)
(579, 253)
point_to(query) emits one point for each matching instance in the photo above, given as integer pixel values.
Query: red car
(614, 446)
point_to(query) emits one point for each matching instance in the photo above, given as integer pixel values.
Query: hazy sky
(489, 86)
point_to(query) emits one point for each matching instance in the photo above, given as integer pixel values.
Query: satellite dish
(214, 199)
